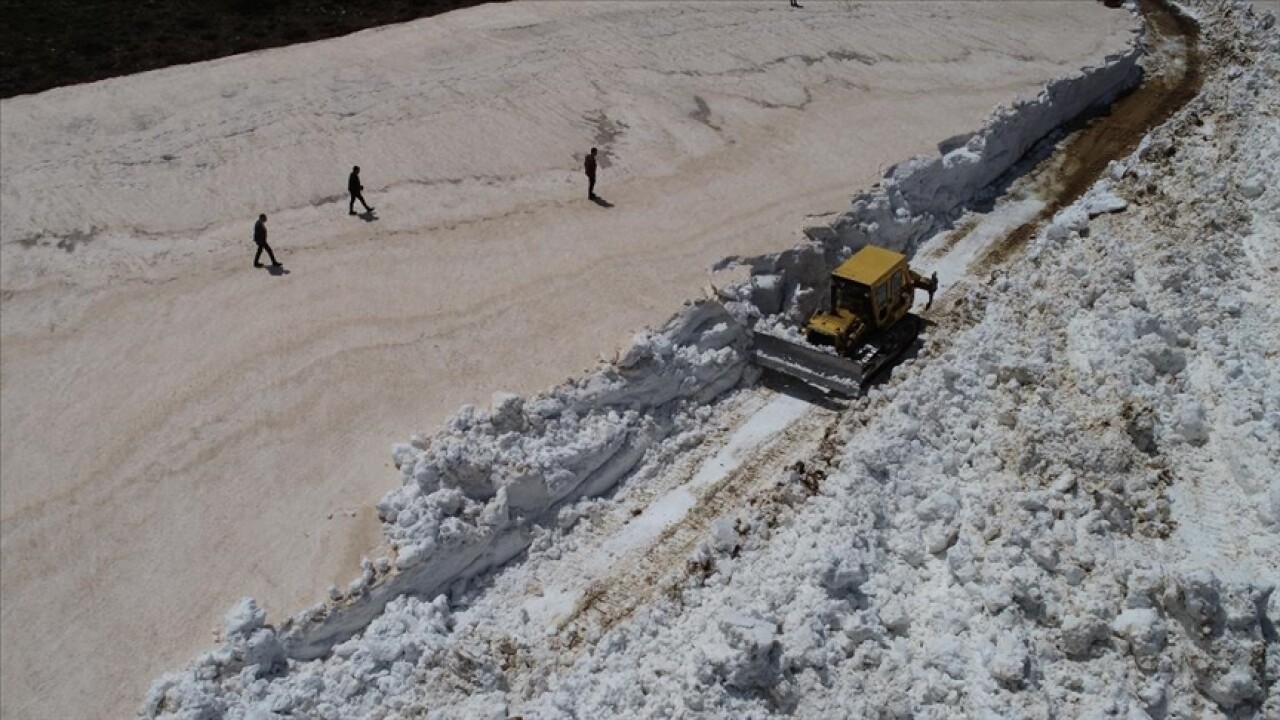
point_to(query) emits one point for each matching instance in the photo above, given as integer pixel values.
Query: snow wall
(923, 195)
(474, 492)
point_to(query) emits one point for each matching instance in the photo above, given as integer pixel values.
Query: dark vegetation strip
(51, 43)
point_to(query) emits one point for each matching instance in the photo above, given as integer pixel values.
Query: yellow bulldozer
(869, 322)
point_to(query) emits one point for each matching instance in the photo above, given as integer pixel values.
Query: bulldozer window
(882, 295)
(895, 284)
(853, 297)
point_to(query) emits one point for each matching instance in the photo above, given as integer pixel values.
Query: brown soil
(1117, 132)
(958, 233)
(51, 43)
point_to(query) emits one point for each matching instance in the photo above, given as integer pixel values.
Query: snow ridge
(474, 491)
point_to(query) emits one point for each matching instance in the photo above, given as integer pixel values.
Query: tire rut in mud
(613, 600)
(1175, 39)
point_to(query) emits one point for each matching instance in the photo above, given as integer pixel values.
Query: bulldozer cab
(852, 296)
(870, 285)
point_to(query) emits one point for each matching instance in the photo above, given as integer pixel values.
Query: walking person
(590, 167)
(356, 188)
(260, 239)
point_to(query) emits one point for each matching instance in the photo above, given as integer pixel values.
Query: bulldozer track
(608, 603)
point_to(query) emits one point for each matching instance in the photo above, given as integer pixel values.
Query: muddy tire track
(1174, 78)
(614, 599)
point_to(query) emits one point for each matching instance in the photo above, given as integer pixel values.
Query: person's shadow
(277, 270)
(601, 201)
(368, 216)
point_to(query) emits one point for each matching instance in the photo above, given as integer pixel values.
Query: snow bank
(923, 195)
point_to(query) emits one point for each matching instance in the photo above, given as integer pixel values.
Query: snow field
(1011, 531)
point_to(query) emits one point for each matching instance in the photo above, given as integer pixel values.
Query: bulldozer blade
(829, 373)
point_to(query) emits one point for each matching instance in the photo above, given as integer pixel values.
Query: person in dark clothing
(590, 167)
(795, 3)
(355, 188)
(260, 239)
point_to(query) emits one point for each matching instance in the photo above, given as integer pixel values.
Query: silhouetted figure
(260, 239)
(590, 167)
(795, 3)
(355, 188)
